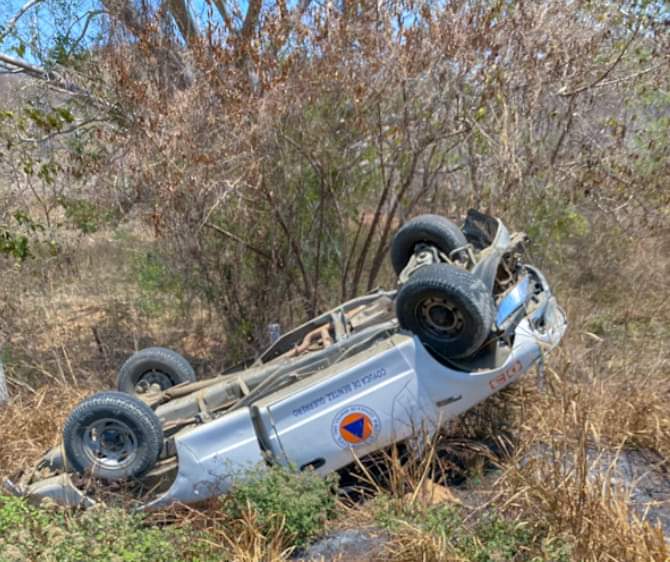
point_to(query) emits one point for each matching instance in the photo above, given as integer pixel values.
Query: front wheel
(448, 308)
(153, 368)
(113, 436)
(432, 230)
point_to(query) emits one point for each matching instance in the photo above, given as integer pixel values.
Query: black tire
(450, 309)
(113, 436)
(429, 229)
(154, 365)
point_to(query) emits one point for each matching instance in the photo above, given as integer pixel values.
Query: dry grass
(568, 492)
(560, 476)
(606, 393)
(571, 145)
(32, 422)
(240, 539)
(66, 325)
(244, 542)
(413, 543)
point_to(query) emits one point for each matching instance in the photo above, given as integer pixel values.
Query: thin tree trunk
(4, 393)
(380, 253)
(381, 202)
(250, 21)
(126, 14)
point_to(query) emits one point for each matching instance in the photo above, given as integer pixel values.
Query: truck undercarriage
(466, 321)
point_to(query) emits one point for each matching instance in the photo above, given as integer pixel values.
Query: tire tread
(175, 366)
(432, 229)
(114, 404)
(459, 284)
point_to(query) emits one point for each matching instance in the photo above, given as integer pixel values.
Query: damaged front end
(49, 480)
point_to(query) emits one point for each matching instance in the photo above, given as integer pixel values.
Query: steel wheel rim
(147, 381)
(440, 317)
(110, 443)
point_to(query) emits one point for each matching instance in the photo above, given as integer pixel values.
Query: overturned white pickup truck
(468, 318)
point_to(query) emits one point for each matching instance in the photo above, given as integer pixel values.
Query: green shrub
(551, 222)
(293, 505)
(18, 238)
(301, 502)
(105, 534)
(489, 538)
(160, 288)
(14, 245)
(85, 216)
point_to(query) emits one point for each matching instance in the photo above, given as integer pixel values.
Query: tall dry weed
(31, 422)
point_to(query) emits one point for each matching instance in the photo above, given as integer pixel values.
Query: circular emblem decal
(355, 426)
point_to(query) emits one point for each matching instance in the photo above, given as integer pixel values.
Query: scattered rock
(644, 473)
(352, 545)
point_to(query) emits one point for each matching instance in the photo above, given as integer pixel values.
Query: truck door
(354, 408)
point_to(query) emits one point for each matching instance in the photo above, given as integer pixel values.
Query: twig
(629, 77)
(69, 365)
(231, 187)
(239, 240)
(101, 347)
(607, 71)
(41, 370)
(12, 23)
(64, 131)
(21, 384)
(52, 80)
(78, 40)
(60, 367)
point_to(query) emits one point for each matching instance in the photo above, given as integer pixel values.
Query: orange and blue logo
(355, 426)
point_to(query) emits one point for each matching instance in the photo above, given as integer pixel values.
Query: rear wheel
(449, 309)
(433, 230)
(153, 368)
(113, 436)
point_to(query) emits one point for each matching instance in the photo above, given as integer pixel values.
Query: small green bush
(18, 238)
(106, 534)
(85, 216)
(293, 505)
(300, 501)
(160, 288)
(490, 538)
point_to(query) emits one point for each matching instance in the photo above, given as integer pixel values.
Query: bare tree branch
(606, 72)
(63, 132)
(184, 20)
(225, 16)
(52, 80)
(24, 65)
(11, 24)
(239, 240)
(84, 30)
(125, 12)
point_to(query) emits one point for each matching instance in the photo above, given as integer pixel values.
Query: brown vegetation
(189, 192)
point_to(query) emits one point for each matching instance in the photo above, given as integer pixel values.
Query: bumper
(59, 489)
